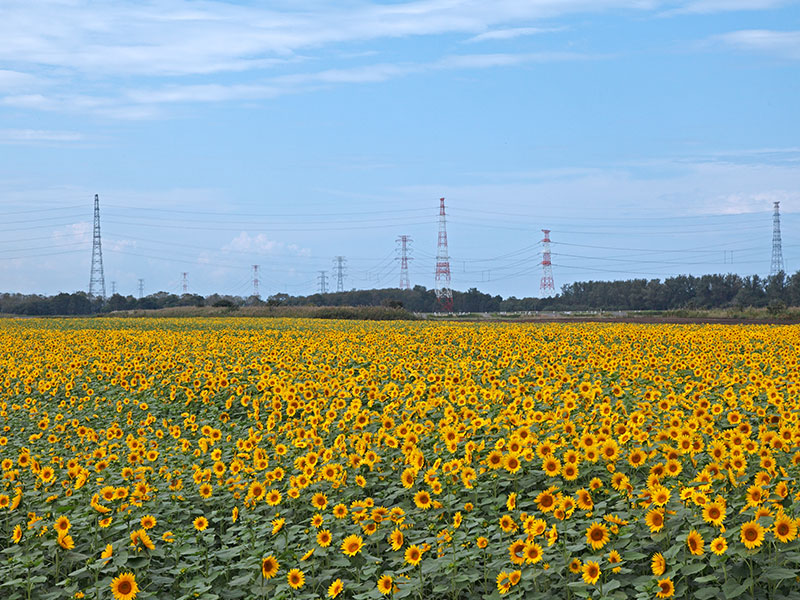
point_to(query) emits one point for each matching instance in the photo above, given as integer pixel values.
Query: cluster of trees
(684, 291)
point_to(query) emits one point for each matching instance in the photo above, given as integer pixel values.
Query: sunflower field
(245, 458)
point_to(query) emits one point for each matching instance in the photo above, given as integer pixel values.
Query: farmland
(292, 458)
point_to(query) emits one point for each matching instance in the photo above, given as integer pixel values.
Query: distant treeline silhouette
(673, 293)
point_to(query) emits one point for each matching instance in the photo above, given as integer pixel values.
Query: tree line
(680, 292)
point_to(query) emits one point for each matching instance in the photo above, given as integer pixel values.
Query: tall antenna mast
(255, 282)
(444, 294)
(546, 287)
(404, 240)
(777, 251)
(339, 266)
(97, 281)
(185, 283)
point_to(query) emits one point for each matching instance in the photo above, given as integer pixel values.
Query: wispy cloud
(146, 103)
(514, 32)
(718, 6)
(33, 136)
(261, 244)
(782, 44)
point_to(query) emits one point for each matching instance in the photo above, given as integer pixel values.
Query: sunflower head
(124, 587)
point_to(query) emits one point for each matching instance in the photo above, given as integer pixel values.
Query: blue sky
(651, 137)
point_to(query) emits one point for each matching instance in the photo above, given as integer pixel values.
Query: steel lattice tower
(141, 288)
(97, 281)
(777, 250)
(404, 241)
(322, 279)
(185, 283)
(444, 293)
(255, 282)
(546, 287)
(339, 266)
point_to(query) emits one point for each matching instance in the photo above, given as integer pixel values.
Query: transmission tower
(141, 288)
(546, 287)
(404, 241)
(113, 288)
(777, 251)
(338, 264)
(255, 282)
(322, 279)
(97, 281)
(185, 283)
(444, 294)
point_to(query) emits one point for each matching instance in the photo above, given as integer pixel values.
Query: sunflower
(575, 565)
(695, 542)
(65, 541)
(340, 511)
(256, 490)
(597, 535)
(785, 529)
(660, 495)
(551, 466)
(503, 584)
(584, 500)
(352, 545)
(511, 463)
(515, 551)
(269, 567)
(657, 564)
(319, 501)
(148, 521)
(719, 545)
(422, 499)
(545, 501)
(62, 525)
(124, 587)
(200, 523)
(296, 579)
(655, 520)
(396, 539)
(16, 536)
(273, 497)
(413, 555)
(324, 538)
(106, 554)
(206, 490)
(752, 534)
(511, 501)
(714, 513)
(481, 542)
(532, 553)
(507, 524)
(277, 525)
(591, 572)
(335, 588)
(385, 585)
(665, 588)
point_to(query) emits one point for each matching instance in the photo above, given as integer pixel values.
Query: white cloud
(177, 37)
(514, 32)
(783, 44)
(14, 80)
(261, 244)
(74, 233)
(717, 6)
(25, 136)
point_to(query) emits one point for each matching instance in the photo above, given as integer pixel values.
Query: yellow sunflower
(124, 587)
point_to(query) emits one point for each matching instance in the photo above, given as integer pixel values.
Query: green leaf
(778, 573)
(707, 592)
